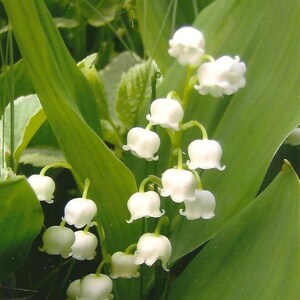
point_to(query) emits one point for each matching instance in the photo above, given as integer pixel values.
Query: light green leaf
(65, 23)
(256, 256)
(251, 124)
(133, 91)
(29, 118)
(21, 219)
(111, 76)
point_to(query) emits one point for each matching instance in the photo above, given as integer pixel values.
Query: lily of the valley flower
(152, 247)
(179, 184)
(223, 76)
(96, 287)
(57, 240)
(73, 290)
(84, 246)
(165, 112)
(202, 207)
(143, 143)
(187, 45)
(144, 204)
(123, 265)
(80, 212)
(205, 154)
(43, 187)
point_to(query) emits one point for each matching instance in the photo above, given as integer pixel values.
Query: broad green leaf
(133, 91)
(21, 219)
(157, 21)
(68, 103)
(251, 124)
(111, 76)
(257, 254)
(21, 83)
(29, 118)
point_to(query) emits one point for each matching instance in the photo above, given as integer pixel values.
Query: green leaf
(133, 91)
(21, 219)
(251, 124)
(29, 118)
(111, 76)
(256, 256)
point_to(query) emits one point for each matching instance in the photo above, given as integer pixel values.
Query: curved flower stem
(194, 123)
(173, 95)
(55, 165)
(150, 178)
(199, 183)
(130, 248)
(178, 152)
(62, 223)
(187, 87)
(162, 221)
(87, 184)
(149, 126)
(106, 260)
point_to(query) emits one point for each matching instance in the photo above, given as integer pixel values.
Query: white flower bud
(187, 45)
(123, 265)
(152, 247)
(144, 205)
(80, 212)
(294, 137)
(58, 240)
(179, 184)
(96, 287)
(202, 207)
(43, 187)
(142, 143)
(84, 246)
(167, 113)
(205, 154)
(73, 290)
(223, 76)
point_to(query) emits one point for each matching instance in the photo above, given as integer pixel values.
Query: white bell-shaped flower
(123, 265)
(142, 143)
(223, 76)
(187, 45)
(43, 187)
(165, 112)
(57, 240)
(179, 184)
(205, 154)
(80, 212)
(202, 207)
(152, 247)
(96, 287)
(144, 204)
(294, 137)
(73, 290)
(84, 246)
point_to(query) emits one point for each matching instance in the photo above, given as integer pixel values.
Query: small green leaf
(256, 256)
(21, 219)
(29, 118)
(65, 23)
(133, 91)
(111, 76)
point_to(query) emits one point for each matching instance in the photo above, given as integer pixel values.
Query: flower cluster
(224, 75)
(79, 212)
(181, 183)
